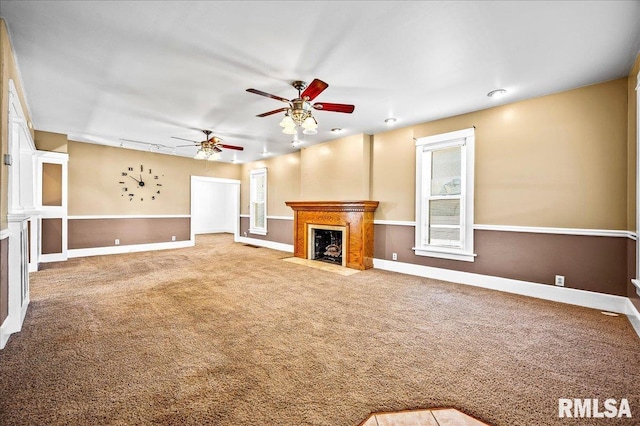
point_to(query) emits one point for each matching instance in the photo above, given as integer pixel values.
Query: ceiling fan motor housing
(299, 85)
(300, 110)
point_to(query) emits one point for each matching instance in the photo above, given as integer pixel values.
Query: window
(444, 195)
(258, 201)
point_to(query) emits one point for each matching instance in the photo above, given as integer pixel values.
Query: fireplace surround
(355, 217)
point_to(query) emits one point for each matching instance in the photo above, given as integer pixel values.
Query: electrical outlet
(560, 280)
(117, 241)
(394, 256)
(173, 238)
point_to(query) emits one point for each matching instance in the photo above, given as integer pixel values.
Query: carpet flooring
(227, 334)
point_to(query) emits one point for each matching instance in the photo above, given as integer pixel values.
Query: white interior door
(215, 205)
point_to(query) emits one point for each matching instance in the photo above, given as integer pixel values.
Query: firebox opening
(327, 244)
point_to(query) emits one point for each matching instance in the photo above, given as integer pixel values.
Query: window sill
(443, 253)
(258, 231)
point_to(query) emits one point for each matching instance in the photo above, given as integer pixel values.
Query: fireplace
(326, 244)
(353, 218)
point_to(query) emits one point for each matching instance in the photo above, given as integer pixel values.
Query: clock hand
(134, 178)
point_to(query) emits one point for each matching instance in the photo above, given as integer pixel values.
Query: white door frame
(636, 281)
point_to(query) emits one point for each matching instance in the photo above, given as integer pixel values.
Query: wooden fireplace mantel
(355, 216)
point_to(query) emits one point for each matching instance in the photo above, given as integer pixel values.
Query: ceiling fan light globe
(200, 155)
(287, 122)
(214, 157)
(310, 123)
(289, 130)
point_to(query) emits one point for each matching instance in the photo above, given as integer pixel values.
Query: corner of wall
(367, 167)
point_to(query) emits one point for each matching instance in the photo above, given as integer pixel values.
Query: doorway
(215, 206)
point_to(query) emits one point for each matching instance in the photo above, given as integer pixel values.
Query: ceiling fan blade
(182, 146)
(325, 106)
(314, 89)
(275, 111)
(182, 139)
(237, 148)
(268, 95)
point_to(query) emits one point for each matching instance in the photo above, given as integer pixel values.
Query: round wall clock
(140, 183)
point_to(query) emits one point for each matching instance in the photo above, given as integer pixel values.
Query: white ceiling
(104, 71)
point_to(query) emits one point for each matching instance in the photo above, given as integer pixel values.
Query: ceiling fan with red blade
(299, 109)
(213, 142)
(211, 147)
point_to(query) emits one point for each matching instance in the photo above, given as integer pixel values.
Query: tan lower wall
(591, 263)
(91, 233)
(4, 279)
(51, 236)
(278, 230)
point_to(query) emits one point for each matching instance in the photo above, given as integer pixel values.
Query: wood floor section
(436, 417)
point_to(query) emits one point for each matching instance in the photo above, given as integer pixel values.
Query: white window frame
(465, 139)
(253, 199)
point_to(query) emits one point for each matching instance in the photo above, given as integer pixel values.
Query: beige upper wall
(554, 161)
(95, 172)
(394, 174)
(48, 141)
(336, 170)
(283, 183)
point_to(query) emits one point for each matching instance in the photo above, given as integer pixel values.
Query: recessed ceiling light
(390, 120)
(496, 93)
(336, 130)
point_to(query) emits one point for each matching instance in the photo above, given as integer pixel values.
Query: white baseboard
(215, 231)
(634, 316)
(265, 243)
(588, 299)
(99, 251)
(53, 257)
